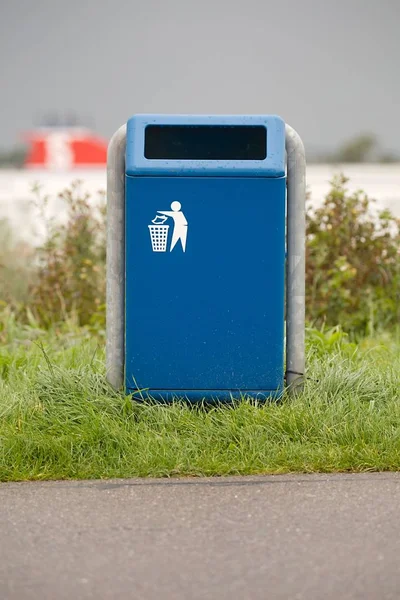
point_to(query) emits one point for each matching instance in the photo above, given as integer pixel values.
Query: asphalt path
(278, 537)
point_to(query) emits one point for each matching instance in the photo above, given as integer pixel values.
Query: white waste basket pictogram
(159, 237)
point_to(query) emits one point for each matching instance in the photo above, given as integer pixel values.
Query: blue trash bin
(204, 256)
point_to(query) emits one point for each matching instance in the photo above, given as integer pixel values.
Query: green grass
(59, 419)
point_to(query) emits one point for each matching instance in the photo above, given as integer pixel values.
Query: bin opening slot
(205, 142)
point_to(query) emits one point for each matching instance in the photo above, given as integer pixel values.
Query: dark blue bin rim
(206, 395)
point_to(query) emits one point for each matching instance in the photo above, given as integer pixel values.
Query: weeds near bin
(60, 419)
(64, 279)
(70, 277)
(353, 265)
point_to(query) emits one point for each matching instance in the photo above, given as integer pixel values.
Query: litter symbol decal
(159, 231)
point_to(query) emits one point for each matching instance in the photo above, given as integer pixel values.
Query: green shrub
(352, 278)
(15, 270)
(353, 267)
(321, 342)
(70, 276)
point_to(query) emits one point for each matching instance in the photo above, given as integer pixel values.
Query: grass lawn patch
(59, 419)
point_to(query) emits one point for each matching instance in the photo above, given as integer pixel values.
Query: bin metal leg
(295, 276)
(295, 263)
(115, 271)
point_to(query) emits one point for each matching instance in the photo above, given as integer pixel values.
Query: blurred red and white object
(65, 149)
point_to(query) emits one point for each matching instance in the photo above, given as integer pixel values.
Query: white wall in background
(381, 182)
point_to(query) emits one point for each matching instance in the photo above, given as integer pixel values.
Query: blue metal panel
(272, 166)
(207, 321)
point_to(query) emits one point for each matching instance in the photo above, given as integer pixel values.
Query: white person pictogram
(180, 224)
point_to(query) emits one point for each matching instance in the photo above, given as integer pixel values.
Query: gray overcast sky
(329, 68)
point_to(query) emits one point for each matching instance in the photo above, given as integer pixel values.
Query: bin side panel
(212, 317)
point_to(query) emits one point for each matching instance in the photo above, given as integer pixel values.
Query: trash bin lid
(206, 145)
